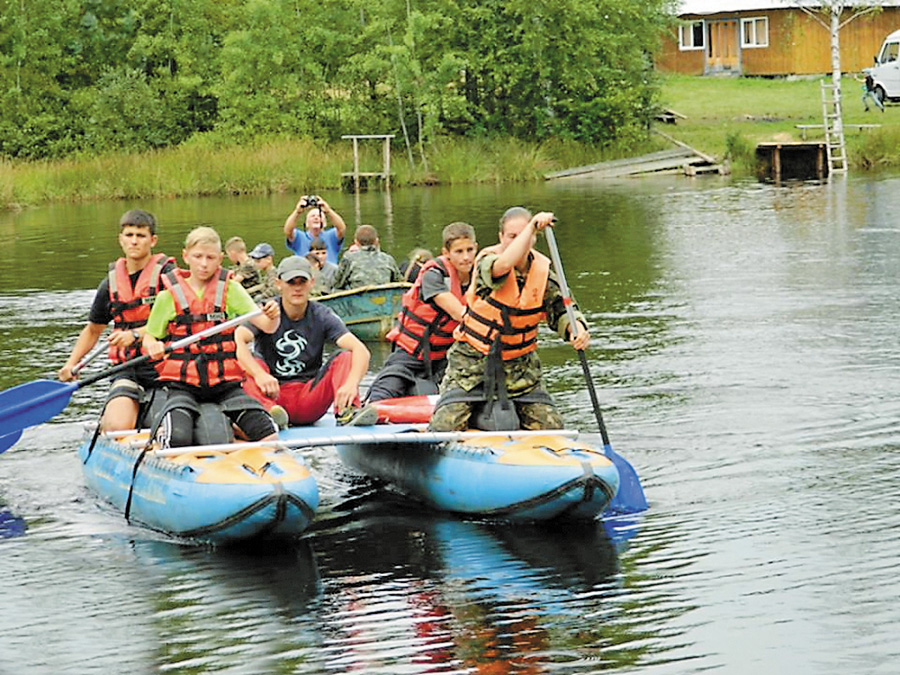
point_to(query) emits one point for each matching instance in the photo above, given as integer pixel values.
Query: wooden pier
(357, 180)
(683, 160)
(792, 160)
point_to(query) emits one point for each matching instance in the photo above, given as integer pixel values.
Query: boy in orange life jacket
(207, 371)
(431, 311)
(495, 357)
(124, 297)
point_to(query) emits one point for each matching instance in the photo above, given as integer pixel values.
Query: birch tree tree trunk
(835, 28)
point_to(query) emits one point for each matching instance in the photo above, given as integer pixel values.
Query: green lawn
(740, 112)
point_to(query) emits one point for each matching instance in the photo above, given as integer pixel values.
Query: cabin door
(722, 55)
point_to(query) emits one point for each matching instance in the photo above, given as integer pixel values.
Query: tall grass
(204, 166)
(878, 149)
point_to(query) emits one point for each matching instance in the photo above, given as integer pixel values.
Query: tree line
(96, 76)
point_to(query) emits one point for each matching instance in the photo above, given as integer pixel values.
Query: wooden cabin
(768, 37)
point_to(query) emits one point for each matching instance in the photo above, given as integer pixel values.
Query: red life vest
(130, 307)
(509, 314)
(212, 360)
(424, 330)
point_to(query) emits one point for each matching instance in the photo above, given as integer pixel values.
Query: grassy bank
(725, 117)
(203, 168)
(729, 116)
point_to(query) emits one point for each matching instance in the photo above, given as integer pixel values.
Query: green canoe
(368, 311)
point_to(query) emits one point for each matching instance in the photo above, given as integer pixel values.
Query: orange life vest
(130, 307)
(425, 330)
(210, 361)
(509, 314)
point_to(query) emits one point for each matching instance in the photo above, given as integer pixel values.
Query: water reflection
(11, 525)
(468, 595)
(218, 607)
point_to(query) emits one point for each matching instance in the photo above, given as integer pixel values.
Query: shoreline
(725, 118)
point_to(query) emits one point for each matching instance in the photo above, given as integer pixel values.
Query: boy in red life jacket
(494, 359)
(432, 309)
(124, 297)
(206, 371)
(289, 378)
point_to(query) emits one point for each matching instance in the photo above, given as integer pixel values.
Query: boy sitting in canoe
(431, 311)
(324, 272)
(263, 257)
(206, 371)
(367, 265)
(289, 378)
(493, 368)
(124, 297)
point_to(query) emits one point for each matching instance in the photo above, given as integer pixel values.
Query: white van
(886, 71)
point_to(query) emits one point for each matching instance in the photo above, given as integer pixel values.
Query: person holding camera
(298, 240)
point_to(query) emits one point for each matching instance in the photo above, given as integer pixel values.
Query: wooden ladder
(835, 148)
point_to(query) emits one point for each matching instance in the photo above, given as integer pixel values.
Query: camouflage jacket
(365, 267)
(260, 285)
(249, 274)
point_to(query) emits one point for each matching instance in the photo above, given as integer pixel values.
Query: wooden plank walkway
(684, 160)
(675, 160)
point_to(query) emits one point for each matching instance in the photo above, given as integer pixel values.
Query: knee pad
(255, 424)
(211, 426)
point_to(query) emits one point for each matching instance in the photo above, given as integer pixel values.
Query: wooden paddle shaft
(570, 312)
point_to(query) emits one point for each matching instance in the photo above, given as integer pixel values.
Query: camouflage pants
(535, 416)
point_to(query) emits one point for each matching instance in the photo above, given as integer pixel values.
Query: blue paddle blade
(32, 403)
(630, 497)
(9, 440)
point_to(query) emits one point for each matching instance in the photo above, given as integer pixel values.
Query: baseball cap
(294, 266)
(262, 250)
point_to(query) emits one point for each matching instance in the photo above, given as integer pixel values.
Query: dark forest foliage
(93, 76)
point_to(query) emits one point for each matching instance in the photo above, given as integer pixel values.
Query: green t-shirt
(237, 303)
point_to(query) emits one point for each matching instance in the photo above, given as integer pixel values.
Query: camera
(312, 200)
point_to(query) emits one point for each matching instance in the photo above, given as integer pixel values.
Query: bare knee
(120, 415)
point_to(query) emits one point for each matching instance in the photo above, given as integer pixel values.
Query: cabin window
(889, 53)
(755, 32)
(690, 36)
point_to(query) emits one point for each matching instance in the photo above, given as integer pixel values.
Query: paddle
(9, 440)
(90, 356)
(35, 402)
(630, 497)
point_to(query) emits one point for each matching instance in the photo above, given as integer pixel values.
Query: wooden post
(356, 164)
(358, 176)
(776, 163)
(387, 162)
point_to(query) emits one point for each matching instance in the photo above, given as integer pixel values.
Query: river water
(745, 352)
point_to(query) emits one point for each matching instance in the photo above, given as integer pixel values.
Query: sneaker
(357, 417)
(279, 416)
